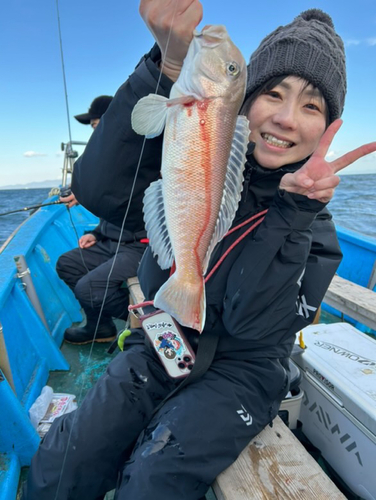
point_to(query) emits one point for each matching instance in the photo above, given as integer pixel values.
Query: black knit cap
(97, 108)
(310, 48)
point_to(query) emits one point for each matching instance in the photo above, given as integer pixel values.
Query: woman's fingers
(324, 196)
(327, 139)
(321, 189)
(324, 188)
(349, 158)
(297, 182)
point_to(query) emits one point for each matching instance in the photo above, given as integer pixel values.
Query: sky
(103, 41)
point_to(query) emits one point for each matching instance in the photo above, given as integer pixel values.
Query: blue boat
(358, 266)
(36, 307)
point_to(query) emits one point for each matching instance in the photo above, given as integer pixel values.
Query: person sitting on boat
(95, 112)
(266, 290)
(97, 108)
(86, 269)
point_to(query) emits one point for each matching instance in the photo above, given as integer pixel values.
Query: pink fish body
(191, 208)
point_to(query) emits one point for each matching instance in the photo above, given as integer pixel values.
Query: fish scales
(197, 147)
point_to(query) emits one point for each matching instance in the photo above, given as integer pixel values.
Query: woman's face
(287, 123)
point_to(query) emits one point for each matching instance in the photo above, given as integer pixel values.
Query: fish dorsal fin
(155, 224)
(233, 184)
(150, 113)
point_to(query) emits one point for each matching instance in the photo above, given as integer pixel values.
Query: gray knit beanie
(309, 48)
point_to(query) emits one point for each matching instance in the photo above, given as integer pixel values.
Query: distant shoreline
(53, 184)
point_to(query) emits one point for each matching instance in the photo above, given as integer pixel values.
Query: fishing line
(81, 254)
(116, 252)
(63, 68)
(69, 125)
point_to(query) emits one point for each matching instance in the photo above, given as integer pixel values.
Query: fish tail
(184, 301)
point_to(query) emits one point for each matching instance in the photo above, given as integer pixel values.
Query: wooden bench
(275, 465)
(353, 300)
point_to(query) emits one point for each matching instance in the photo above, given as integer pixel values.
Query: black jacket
(271, 284)
(104, 174)
(106, 230)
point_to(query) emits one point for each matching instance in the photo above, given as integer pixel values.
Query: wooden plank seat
(275, 465)
(353, 300)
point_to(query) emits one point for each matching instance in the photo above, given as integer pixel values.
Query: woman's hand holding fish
(317, 179)
(172, 23)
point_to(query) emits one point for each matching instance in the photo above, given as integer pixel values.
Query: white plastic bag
(39, 408)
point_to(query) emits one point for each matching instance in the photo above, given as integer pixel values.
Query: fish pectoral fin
(149, 115)
(185, 99)
(233, 184)
(155, 224)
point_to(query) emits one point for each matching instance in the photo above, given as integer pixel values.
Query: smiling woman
(286, 122)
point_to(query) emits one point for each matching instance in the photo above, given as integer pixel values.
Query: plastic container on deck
(339, 405)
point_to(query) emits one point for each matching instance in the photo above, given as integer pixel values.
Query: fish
(190, 209)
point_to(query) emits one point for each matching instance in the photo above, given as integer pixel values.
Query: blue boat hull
(358, 264)
(33, 348)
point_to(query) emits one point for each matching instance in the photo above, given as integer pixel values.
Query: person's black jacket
(271, 284)
(106, 230)
(104, 177)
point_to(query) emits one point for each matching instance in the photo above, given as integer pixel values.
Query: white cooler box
(338, 412)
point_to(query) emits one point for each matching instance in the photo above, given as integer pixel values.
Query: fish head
(214, 67)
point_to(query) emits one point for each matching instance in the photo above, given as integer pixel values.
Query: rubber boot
(106, 332)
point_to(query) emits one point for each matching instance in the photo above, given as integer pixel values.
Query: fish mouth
(274, 141)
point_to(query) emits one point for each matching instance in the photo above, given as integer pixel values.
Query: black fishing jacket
(104, 178)
(272, 282)
(107, 231)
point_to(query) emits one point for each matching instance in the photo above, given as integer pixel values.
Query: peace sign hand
(317, 179)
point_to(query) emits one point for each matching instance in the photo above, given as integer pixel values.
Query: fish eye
(233, 68)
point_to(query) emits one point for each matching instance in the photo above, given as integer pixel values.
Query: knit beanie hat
(308, 48)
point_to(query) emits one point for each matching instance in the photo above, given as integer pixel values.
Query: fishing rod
(25, 209)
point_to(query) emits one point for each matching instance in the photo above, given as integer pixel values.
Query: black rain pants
(113, 439)
(86, 272)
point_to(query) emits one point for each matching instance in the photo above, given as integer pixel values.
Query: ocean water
(15, 199)
(353, 205)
